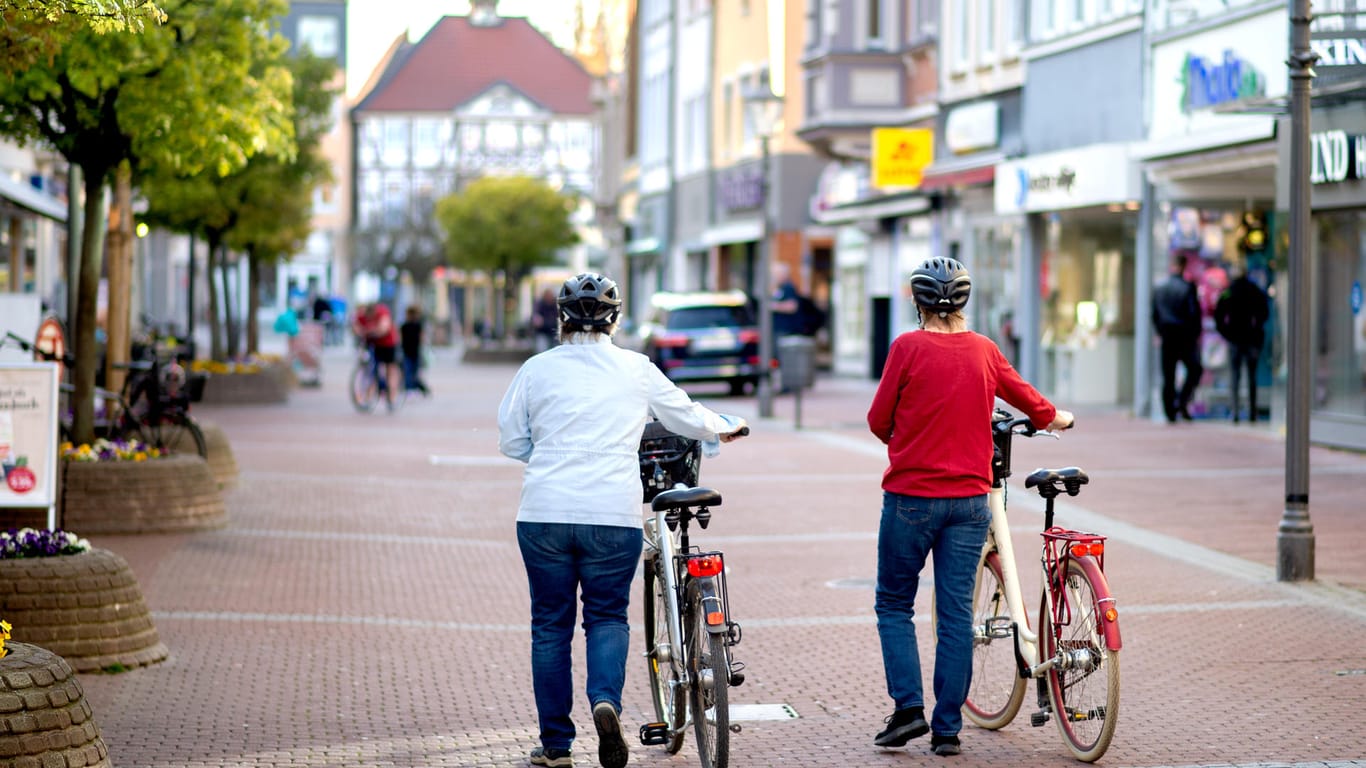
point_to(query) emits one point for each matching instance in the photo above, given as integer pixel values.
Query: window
(831, 23)
(875, 27)
(813, 11)
(1015, 25)
(962, 40)
(986, 29)
(320, 34)
(427, 141)
(727, 119)
(926, 19)
(394, 145)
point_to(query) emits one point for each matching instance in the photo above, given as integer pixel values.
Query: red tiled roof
(456, 61)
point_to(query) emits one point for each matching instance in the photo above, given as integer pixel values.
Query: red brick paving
(366, 606)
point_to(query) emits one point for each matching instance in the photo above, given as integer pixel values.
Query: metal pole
(764, 388)
(189, 303)
(1295, 541)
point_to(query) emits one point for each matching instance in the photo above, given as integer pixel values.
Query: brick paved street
(366, 604)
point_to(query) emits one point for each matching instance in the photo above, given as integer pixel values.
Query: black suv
(702, 337)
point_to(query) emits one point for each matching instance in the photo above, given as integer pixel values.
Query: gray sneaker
(612, 749)
(552, 758)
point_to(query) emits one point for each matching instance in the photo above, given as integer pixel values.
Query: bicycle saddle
(1071, 479)
(681, 498)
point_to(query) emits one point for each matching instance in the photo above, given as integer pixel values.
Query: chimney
(484, 13)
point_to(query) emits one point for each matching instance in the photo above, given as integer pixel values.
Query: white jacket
(575, 414)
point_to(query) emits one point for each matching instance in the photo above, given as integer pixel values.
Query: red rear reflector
(1097, 548)
(1111, 614)
(704, 565)
(749, 337)
(671, 341)
(716, 618)
(1078, 550)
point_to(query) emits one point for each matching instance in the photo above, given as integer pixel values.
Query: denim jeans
(954, 530)
(562, 560)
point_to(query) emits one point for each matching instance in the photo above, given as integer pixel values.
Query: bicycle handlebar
(28, 346)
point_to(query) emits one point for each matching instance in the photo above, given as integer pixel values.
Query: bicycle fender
(711, 603)
(1104, 599)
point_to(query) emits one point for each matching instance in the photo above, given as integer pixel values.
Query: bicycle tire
(665, 687)
(364, 389)
(1085, 696)
(997, 690)
(709, 672)
(174, 434)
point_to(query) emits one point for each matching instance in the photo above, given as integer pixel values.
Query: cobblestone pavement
(366, 604)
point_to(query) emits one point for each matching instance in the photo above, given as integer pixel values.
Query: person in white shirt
(575, 414)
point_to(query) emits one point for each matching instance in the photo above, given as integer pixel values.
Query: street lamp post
(765, 110)
(1295, 540)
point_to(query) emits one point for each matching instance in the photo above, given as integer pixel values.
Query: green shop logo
(1206, 82)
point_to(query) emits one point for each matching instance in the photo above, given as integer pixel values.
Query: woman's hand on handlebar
(1062, 420)
(735, 434)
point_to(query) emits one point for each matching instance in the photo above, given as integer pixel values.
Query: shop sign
(741, 188)
(973, 127)
(900, 156)
(1336, 156)
(1206, 83)
(1095, 175)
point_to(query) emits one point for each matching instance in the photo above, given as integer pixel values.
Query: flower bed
(173, 493)
(260, 381)
(85, 606)
(44, 716)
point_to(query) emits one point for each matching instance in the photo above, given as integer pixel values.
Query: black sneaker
(945, 745)
(612, 749)
(552, 758)
(902, 726)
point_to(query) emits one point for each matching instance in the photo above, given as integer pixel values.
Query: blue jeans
(561, 560)
(954, 530)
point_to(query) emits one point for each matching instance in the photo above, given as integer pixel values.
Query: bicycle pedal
(1039, 718)
(654, 733)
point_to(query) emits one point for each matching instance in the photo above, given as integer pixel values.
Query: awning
(886, 206)
(962, 172)
(743, 231)
(27, 197)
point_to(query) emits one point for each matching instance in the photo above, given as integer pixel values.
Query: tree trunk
(120, 279)
(253, 302)
(215, 323)
(229, 306)
(87, 300)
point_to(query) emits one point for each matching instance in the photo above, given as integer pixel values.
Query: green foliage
(505, 223)
(102, 16)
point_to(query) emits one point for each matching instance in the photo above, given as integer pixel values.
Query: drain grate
(852, 583)
(762, 712)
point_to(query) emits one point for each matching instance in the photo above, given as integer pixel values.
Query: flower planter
(44, 717)
(173, 493)
(86, 608)
(222, 462)
(271, 384)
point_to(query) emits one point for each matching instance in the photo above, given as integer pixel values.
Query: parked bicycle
(1073, 653)
(365, 391)
(689, 631)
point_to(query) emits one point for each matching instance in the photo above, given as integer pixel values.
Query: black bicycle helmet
(589, 301)
(941, 285)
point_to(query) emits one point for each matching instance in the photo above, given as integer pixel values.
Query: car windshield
(688, 318)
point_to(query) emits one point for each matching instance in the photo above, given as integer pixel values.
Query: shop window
(1340, 319)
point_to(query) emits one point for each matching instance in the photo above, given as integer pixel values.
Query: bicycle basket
(667, 459)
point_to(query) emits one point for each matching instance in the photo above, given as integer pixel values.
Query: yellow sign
(900, 156)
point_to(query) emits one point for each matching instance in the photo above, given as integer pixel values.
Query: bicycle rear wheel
(666, 693)
(997, 689)
(710, 673)
(174, 434)
(1083, 688)
(364, 389)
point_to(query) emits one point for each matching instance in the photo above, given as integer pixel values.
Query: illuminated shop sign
(1337, 156)
(1339, 52)
(1207, 82)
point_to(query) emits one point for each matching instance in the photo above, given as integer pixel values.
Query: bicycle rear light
(1095, 548)
(705, 565)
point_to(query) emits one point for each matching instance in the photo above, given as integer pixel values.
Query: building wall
(1100, 101)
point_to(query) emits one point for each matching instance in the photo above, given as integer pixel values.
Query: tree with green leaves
(505, 226)
(184, 95)
(100, 15)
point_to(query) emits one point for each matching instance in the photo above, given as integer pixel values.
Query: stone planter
(44, 717)
(269, 385)
(222, 462)
(86, 608)
(173, 493)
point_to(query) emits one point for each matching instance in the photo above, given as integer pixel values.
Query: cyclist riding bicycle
(933, 410)
(375, 326)
(575, 414)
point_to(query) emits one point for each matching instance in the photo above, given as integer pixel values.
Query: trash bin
(796, 362)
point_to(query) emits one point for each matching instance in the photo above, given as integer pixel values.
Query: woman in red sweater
(933, 410)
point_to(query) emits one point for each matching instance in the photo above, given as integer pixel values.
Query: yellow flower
(140, 456)
(4, 635)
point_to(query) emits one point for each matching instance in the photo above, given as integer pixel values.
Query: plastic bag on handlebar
(677, 459)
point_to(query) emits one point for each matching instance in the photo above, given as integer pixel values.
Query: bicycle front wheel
(665, 689)
(176, 434)
(997, 689)
(1083, 686)
(710, 672)
(364, 391)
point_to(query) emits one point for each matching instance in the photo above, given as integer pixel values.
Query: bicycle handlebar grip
(742, 431)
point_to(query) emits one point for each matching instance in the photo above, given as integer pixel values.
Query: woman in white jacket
(575, 414)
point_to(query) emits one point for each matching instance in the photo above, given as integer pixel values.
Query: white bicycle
(688, 627)
(1073, 652)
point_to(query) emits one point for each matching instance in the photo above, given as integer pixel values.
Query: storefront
(1210, 162)
(1338, 264)
(1076, 212)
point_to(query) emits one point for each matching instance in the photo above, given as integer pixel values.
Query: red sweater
(933, 410)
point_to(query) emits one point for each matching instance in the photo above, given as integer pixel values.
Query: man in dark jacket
(1176, 317)
(1240, 317)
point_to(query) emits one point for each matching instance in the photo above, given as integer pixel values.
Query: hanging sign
(900, 156)
(28, 436)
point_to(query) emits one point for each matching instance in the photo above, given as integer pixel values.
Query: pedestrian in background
(411, 339)
(1240, 317)
(375, 328)
(545, 320)
(1176, 317)
(933, 409)
(575, 414)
